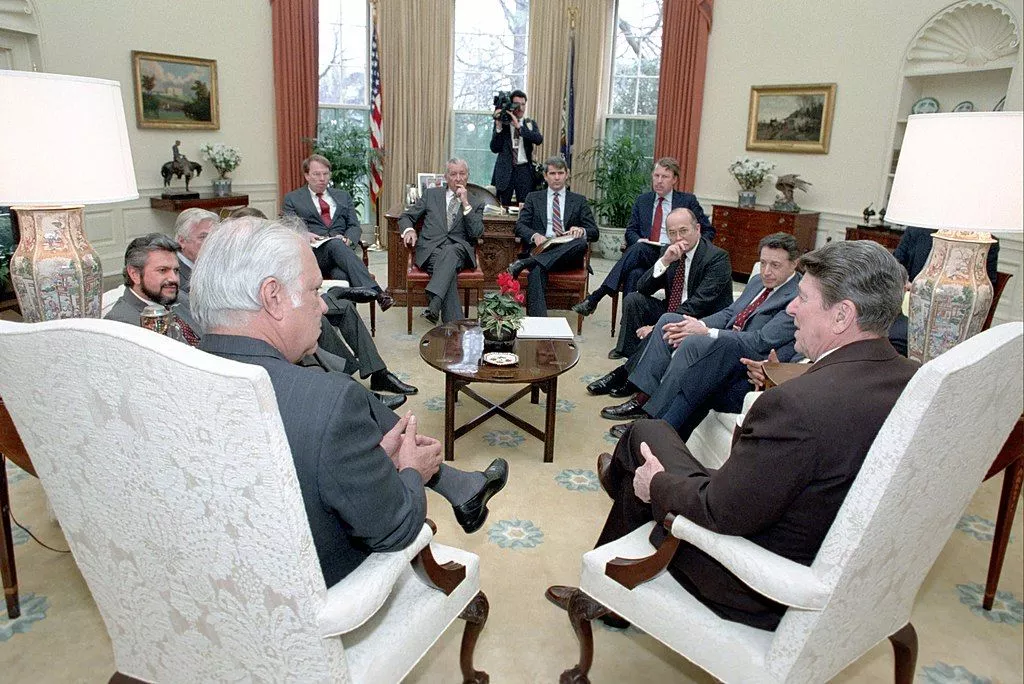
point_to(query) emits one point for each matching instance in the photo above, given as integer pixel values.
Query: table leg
(534, 394)
(8, 572)
(1013, 476)
(549, 421)
(451, 394)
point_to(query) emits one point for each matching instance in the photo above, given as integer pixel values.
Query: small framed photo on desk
(430, 180)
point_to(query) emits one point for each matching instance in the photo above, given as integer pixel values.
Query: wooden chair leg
(904, 646)
(465, 302)
(408, 311)
(373, 319)
(582, 609)
(8, 571)
(475, 615)
(1013, 477)
(615, 310)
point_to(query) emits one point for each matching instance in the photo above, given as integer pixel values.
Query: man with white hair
(360, 468)
(190, 230)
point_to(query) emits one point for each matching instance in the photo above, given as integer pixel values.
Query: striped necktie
(556, 215)
(453, 210)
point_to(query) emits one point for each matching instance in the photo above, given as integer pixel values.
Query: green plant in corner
(500, 313)
(346, 145)
(621, 171)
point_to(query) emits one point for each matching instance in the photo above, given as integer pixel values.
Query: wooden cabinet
(739, 230)
(886, 236)
(208, 202)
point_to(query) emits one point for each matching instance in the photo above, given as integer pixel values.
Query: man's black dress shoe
(629, 410)
(617, 431)
(386, 381)
(559, 594)
(517, 266)
(392, 401)
(359, 295)
(626, 389)
(584, 308)
(616, 354)
(385, 300)
(472, 514)
(604, 465)
(606, 383)
(430, 316)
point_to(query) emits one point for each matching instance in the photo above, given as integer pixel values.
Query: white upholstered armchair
(170, 474)
(919, 475)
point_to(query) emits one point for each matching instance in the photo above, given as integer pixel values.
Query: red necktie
(675, 293)
(325, 209)
(747, 312)
(191, 338)
(656, 226)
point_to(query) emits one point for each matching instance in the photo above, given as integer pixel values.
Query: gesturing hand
(645, 473)
(755, 369)
(423, 454)
(393, 439)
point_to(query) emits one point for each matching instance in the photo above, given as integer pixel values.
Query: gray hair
(192, 217)
(139, 249)
(863, 272)
(237, 258)
(781, 241)
(456, 161)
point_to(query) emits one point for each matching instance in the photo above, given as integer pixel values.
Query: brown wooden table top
(450, 350)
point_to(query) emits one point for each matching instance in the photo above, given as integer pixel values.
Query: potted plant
(621, 171)
(501, 313)
(225, 159)
(346, 145)
(749, 173)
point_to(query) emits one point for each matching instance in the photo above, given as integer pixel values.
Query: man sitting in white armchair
(799, 448)
(361, 469)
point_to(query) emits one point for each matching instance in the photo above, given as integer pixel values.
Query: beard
(158, 296)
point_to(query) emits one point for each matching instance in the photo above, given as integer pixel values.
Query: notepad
(539, 327)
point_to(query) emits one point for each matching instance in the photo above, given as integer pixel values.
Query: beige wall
(87, 38)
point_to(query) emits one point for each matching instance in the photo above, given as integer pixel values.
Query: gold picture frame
(175, 92)
(791, 118)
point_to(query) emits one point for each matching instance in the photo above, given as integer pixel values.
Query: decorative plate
(501, 358)
(926, 105)
(999, 105)
(965, 106)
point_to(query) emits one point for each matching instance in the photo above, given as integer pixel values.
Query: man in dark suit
(190, 229)
(334, 228)
(694, 276)
(513, 143)
(695, 358)
(799, 449)
(647, 233)
(447, 242)
(361, 469)
(552, 213)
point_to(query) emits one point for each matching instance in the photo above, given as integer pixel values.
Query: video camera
(503, 102)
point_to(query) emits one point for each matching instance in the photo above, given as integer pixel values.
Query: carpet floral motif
(978, 527)
(505, 439)
(435, 403)
(578, 480)
(33, 609)
(515, 534)
(15, 474)
(402, 337)
(565, 406)
(591, 377)
(1006, 609)
(19, 535)
(941, 673)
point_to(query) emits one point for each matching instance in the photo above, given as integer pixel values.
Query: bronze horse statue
(182, 167)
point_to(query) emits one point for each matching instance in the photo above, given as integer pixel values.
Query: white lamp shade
(63, 140)
(961, 171)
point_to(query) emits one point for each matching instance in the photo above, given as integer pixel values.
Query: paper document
(539, 327)
(551, 242)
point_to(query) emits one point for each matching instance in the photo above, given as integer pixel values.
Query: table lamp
(960, 173)
(64, 144)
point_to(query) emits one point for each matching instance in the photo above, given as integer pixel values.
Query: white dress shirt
(660, 268)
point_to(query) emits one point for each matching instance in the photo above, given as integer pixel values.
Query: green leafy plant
(620, 172)
(5, 270)
(346, 145)
(500, 313)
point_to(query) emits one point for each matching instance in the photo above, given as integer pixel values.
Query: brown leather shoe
(604, 465)
(559, 595)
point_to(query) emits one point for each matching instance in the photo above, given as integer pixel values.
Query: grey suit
(344, 222)
(184, 275)
(355, 500)
(128, 308)
(443, 252)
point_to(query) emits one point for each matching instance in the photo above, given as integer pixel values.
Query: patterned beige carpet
(539, 526)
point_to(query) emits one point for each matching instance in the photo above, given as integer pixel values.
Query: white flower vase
(222, 187)
(747, 199)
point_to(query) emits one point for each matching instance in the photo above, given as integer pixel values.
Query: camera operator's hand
(497, 120)
(514, 119)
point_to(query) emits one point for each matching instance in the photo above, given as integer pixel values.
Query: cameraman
(513, 142)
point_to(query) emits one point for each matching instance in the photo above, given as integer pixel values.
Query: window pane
(343, 55)
(491, 39)
(637, 53)
(641, 130)
(647, 96)
(471, 139)
(624, 96)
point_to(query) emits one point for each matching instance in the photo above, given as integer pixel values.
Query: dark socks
(456, 486)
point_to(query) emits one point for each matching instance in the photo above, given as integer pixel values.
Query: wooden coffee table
(450, 350)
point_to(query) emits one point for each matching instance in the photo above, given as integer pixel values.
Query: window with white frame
(633, 95)
(489, 55)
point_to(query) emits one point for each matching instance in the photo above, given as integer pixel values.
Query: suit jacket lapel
(698, 256)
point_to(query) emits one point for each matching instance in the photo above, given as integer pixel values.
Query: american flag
(376, 116)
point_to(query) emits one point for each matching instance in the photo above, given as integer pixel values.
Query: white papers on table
(539, 327)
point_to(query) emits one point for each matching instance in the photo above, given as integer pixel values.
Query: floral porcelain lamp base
(951, 296)
(55, 271)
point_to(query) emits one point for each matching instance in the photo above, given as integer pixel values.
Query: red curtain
(295, 84)
(684, 56)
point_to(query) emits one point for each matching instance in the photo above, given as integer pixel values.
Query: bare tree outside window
(489, 54)
(633, 99)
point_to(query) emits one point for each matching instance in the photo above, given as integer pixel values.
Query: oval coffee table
(449, 349)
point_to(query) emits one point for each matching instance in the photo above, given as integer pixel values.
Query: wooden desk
(886, 236)
(208, 202)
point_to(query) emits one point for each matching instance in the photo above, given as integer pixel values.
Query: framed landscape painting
(175, 92)
(791, 118)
